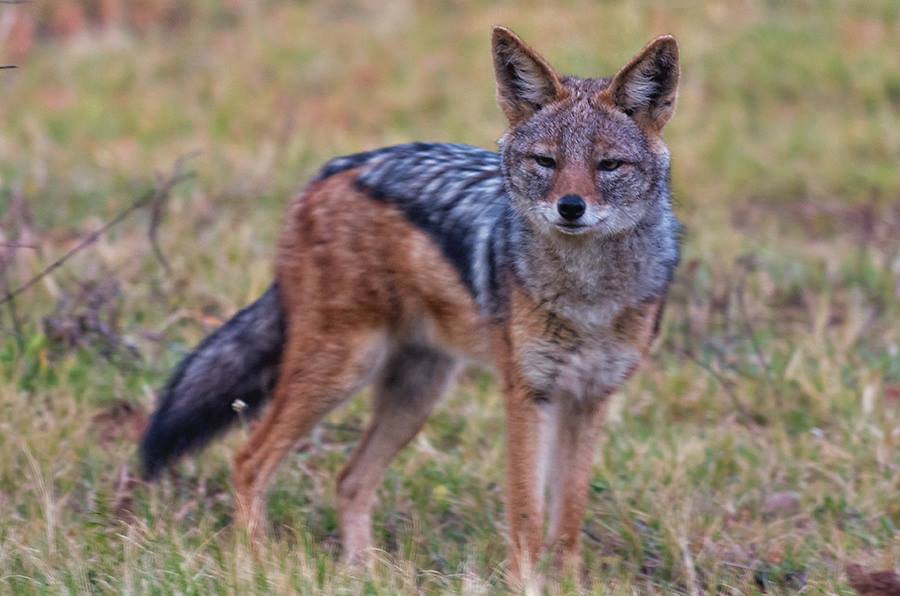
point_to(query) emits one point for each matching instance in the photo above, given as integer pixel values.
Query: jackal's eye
(544, 161)
(608, 165)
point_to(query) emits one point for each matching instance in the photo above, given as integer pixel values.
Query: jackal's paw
(525, 578)
(362, 559)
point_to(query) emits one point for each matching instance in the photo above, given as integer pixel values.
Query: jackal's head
(585, 156)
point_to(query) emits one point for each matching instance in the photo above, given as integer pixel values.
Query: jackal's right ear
(525, 81)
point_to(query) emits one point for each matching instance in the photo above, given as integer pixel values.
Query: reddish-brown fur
(342, 285)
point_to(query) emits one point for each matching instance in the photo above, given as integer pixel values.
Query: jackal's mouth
(572, 228)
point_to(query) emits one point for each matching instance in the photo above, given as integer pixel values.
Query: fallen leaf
(785, 503)
(872, 583)
(122, 420)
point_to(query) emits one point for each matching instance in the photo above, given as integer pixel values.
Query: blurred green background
(757, 451)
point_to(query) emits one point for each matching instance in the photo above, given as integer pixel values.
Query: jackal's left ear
(525, 81)
(646, 88)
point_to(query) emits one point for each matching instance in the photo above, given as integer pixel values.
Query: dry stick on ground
(750, 330)
(725, 382)
(158, 205)
(6, 259)
(151, 197)
(11, 305)
(156, 211)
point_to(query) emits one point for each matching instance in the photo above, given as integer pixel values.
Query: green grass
(759, 449)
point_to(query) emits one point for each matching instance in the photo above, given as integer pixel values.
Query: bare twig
(153, 234)
(163, 188)
(590, 534)
(754, 342)
(724, 382)
(722, 359)
(8, 66)
(13, 313)
(342, 427)
(14, 244)
(156, 213)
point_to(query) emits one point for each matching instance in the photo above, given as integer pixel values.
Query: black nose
(571, 207)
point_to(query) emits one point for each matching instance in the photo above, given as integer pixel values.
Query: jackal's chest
(560, 357)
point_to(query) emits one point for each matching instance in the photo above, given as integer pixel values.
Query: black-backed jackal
(550, 258)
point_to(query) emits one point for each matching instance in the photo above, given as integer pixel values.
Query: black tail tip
(152, 464)
(157, 449)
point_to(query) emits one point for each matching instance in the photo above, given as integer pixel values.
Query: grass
(759, 450)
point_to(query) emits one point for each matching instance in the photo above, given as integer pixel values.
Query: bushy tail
(238, 362)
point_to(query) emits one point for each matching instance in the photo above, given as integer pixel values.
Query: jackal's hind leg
(412, 382)
(315, 377)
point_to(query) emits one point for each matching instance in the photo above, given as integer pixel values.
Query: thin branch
(342, 427)
(13, 312)
(590, 534)
(723, 381)
(754, 342)
(14, 244)
(722, 359)
(8, 66)
(156, 213)
(163, 188)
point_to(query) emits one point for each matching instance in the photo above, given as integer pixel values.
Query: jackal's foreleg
(578, 429)
(526, 425)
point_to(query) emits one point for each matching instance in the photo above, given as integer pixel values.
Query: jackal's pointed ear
(646, 88)
(525, 81)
